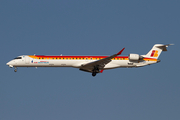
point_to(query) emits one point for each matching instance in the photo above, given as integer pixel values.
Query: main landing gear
(95, 71)
(94, 74)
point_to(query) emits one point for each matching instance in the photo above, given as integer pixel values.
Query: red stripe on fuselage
(44, 56)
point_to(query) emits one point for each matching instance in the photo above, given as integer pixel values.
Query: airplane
(92, 64)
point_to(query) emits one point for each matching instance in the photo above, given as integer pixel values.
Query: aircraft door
(27, 59)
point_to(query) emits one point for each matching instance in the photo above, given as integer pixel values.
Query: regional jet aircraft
(92, 64)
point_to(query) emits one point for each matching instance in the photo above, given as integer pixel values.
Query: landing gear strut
(95, 71)
(15, 69)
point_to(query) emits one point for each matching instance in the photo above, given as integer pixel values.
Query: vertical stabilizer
(156, 50)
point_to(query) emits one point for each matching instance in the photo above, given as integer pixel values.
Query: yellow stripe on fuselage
(149, 59)
(82, 58)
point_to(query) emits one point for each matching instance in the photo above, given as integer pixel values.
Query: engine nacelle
(135, 57)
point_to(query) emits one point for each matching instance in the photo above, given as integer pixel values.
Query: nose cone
(9, 64)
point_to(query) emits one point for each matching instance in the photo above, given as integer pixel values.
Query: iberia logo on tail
(154, 53)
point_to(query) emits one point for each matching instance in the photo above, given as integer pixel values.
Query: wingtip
(168, 45)
(120, 51)
(101, 71)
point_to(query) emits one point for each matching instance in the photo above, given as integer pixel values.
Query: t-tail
(156, 50)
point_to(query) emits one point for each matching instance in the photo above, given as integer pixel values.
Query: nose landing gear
(15, 69)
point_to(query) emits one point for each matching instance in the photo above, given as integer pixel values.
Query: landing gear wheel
(95, 71)
(15, 69)
(94, 74)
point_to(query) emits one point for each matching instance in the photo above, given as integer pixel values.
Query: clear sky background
(94, 27)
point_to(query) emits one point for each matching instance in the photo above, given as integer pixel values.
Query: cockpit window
(18, 58)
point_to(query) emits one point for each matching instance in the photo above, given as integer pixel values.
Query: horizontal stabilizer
(163, 47)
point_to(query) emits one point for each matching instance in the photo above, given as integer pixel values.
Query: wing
(99, 64)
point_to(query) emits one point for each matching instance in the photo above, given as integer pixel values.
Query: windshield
(18, 58)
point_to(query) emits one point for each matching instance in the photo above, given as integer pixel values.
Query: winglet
(101, 71)
(120, 51)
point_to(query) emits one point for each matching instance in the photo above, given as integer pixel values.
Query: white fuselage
(75, 61)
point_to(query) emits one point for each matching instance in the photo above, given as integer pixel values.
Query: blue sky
(89, 28)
